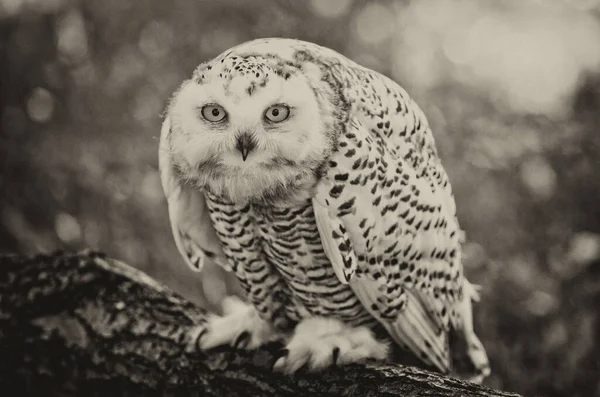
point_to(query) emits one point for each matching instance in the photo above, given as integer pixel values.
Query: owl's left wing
(191, 224)
(391, 236)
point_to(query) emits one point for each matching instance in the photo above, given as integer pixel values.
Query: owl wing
(191, 224)
(392, 236)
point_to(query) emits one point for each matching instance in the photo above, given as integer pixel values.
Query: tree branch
(83, 324)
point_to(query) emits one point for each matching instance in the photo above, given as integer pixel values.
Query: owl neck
(272, 187)
(280, 194)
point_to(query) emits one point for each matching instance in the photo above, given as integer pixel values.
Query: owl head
(247, 126)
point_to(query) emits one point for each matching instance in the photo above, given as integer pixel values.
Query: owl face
(244, 119)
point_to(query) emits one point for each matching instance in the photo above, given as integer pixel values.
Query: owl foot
(319, 342)
(240, 326)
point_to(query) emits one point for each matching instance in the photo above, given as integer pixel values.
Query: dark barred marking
(279, 249)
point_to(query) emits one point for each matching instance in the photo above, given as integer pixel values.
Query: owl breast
(280, 245)
(291, 243)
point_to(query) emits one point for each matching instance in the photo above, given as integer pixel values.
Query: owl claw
(201, 334)
(283, 353)
(335, 355)
(242, 340)
(319, 343)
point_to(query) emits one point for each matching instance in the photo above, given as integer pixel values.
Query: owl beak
(245, 144)
(244, 150)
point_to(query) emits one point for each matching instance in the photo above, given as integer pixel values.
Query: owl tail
(418, 330)
(457, 349)
(412, 328)
(469, 358)
(423, 326)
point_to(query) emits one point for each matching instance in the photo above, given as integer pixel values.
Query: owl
(317, 183)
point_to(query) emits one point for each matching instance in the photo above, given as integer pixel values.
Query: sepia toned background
(511, 89)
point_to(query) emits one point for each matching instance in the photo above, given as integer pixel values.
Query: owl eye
(277, 113)
(213, 113)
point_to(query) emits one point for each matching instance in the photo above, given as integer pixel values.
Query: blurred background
(511, 89)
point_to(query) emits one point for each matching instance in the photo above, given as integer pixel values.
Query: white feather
(190, 221)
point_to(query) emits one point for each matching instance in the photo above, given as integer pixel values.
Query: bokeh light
(155, 39)
(40, 105)
(331, 8)
(375, 23)
(67, 228)
(531, 58)
(71, 38)
(511, 90)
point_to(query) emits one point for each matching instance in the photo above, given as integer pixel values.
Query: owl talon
(201, 335)
(282, 353)
(335, 355)
(242, 340)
